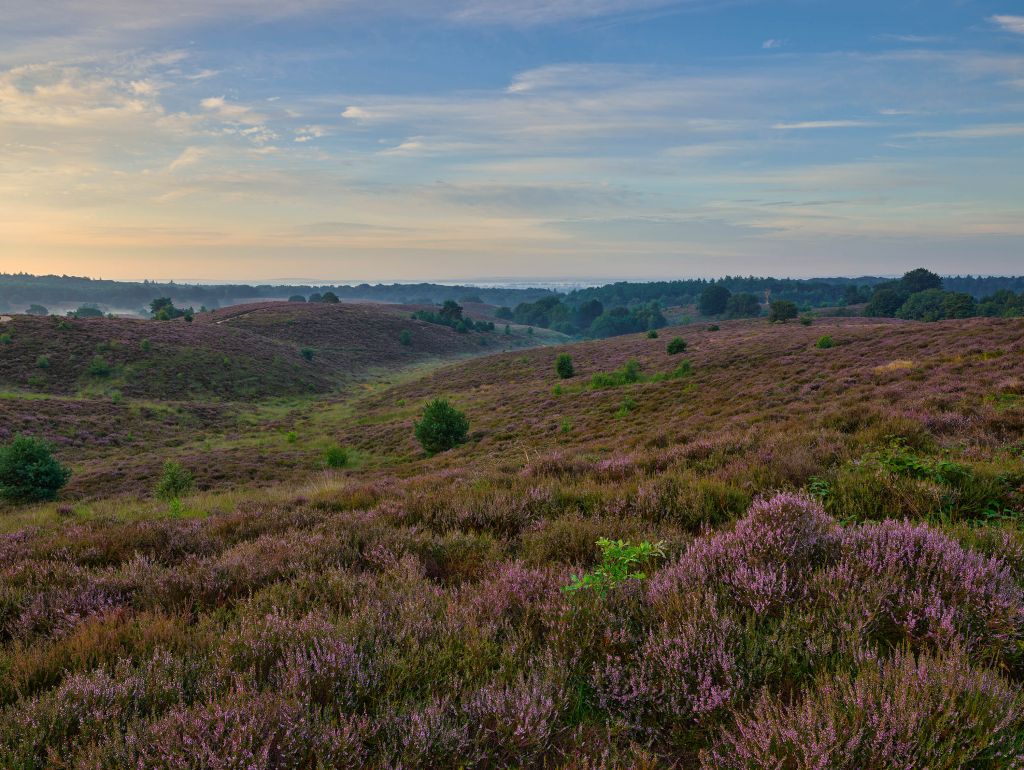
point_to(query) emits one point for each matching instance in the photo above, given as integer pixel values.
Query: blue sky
(450, 139)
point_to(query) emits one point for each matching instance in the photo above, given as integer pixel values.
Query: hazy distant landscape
(542, 385)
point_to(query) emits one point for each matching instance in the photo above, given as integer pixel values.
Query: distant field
(839, 508)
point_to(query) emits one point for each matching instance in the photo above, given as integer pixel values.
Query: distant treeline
(624, 308)
(19, 290)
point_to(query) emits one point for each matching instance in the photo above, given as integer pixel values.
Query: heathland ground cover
(833, 573)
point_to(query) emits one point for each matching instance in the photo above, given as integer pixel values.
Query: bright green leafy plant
(620, 561)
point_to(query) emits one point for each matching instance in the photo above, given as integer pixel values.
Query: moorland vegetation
(773, 545)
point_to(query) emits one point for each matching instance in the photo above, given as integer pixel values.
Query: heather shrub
(249, 731)
(175, 481)
(935, 712)
(29, 472)
(676, 345)
(759, 563)
(922, 588)
(688, 501)
(441, 427)
(683, 673)
(563, 366)
(514, 725)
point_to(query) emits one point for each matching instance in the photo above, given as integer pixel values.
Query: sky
(337, 140)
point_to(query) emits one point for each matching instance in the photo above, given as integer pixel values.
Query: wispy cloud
(989, 131)
(771, 43)
(914, 39)
(188, 157)
(1009, 23)
(808, 125)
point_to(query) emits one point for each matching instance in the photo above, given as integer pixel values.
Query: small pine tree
(307, 353)
(676, 346)
(29, 473)
(175, 481)
(564, 367)
(442, 427)
(405, 338)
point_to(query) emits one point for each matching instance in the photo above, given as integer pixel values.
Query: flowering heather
(899, 712)
(842, 586)
(763, 561)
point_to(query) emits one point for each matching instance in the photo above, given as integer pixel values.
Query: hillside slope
(835, 573)
(355, 337)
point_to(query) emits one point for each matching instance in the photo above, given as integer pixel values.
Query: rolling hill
(834, 547)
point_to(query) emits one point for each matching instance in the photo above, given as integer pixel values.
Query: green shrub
(146, 346)
(99, 367)
(307, 353)
(29, 472)
(652, 334)
(806, 320)
(564, 367)
(627, 406)
(42, 362)
(442, 427)
(628, 374)
(6, 338)
(714, 328)
(825, 342)
(405, 338)
(676, 346)
(620, 561)
(781, 310)
(291, 436)
(175, 481)
(336, 457)
(566, 426)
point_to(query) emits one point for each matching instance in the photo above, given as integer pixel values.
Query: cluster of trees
(588, 319)
(921, 295)
(824, 292)
(163, 309)
(451, 314)
(717, 300)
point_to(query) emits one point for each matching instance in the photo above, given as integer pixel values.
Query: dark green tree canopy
(782, 310)
(743, 305)
(713, 299)
(29, 472)
(920, 280)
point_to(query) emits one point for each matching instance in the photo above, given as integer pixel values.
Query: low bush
(29, 472)
(441, 427)
(824, 342)
(307, 353)
(676, 345)
(336, 457)
(564, 367)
